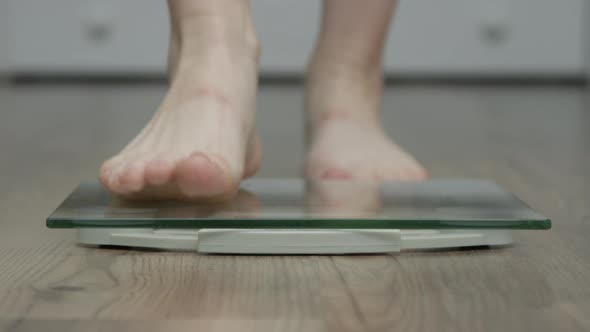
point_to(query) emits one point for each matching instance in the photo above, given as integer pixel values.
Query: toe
(407, 176)
(106, 169)
(131, 179)
(104, 175)
(421, 174)
(113, 183)
(200, 177)
(159, 172)
(415, 173)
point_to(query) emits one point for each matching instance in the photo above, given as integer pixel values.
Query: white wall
(428, 36)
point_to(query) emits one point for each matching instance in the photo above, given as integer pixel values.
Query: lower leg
(349, 52)
(343, 96)
(201, 141)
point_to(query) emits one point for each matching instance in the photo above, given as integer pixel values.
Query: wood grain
(532, 141)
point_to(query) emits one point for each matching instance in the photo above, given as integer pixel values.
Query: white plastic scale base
(291, 241)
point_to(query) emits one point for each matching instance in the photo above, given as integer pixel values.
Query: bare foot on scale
(343, 98)
(201, 142)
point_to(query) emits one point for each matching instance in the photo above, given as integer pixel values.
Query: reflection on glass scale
(294, 216)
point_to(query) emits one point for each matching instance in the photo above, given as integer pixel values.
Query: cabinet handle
(98, 23)
(495, 32)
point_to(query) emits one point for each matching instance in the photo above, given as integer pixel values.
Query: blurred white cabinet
(87, 35)
(428, 36)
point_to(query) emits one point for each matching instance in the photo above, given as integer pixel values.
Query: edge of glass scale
(339, 223)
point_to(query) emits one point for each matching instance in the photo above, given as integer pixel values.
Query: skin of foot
(346, 148)
(201, 142)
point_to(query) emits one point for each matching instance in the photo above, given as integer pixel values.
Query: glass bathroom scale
(295, 216)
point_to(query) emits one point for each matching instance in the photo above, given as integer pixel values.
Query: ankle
(337, 92)
(212, 51)
(208, 29)
(345, 65)
(320, 120)
(211, 32)
(341, 78)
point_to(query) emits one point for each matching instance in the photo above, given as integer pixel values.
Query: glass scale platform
(295, 216)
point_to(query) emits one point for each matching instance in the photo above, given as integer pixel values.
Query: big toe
(200, 177)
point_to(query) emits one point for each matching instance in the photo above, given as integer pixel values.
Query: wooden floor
(532, 140)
